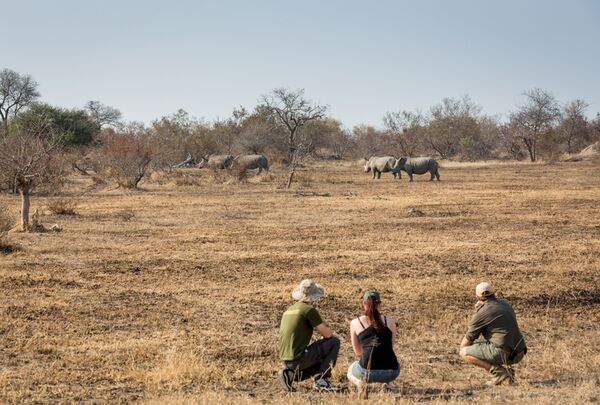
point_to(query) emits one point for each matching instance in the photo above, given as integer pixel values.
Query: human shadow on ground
(428, 394)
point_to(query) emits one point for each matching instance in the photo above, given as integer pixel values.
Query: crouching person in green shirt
(302, 360)
(496, 322)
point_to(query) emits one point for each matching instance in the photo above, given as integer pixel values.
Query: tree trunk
(5, 124)
(291, 146)
(25, 207)
(14, 187)
(292, 172)
(133, 182)
(438, 150)
(293, 164)
(530, 148)
(569, 144)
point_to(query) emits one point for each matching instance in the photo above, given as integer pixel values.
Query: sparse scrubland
(173, 293)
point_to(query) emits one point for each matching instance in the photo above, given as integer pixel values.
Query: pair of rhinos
(420, 165)
(248, 162)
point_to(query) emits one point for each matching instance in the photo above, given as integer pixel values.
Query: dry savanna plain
(173, 293)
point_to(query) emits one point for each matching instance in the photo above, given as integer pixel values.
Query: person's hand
(324, 330)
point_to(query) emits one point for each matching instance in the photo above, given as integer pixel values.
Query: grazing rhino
(419, 165)
(379, 165)
(250, 162)
(216, 162)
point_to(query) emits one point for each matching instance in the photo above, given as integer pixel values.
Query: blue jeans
(380, 376)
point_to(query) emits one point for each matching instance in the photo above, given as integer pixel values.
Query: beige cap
(307, 291)
(484, 289)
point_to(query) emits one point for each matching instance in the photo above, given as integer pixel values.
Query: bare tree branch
(16, 92)
(533, 120)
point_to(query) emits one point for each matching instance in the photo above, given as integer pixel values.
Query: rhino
(379, 165)
(420, 165)
(216, 162)
(250, 162)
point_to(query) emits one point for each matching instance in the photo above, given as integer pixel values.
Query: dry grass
(180, 302)
(7, 222)
(62, 206)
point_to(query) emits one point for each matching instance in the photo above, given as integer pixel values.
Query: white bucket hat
(484, 290)
(307, 291)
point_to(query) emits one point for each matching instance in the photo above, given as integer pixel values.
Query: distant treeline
(540, 127)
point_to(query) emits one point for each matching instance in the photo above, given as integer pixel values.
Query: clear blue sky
(362, 58)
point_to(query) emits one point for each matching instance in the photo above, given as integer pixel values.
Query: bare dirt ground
(173, 294)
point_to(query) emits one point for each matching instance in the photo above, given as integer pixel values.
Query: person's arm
(315, 320)
(465, 342)
(391, 324)
(354, 339)
(476, 326)
(324, 330)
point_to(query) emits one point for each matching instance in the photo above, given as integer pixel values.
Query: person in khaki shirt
(300, 358)
(496, 322)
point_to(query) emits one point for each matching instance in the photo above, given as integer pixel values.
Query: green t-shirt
(296, 329)
(496, 321)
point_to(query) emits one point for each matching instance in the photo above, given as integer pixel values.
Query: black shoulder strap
(363, 326)
(385, 320)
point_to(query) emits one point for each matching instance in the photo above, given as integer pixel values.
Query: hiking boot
(500, 375)
(324, 385)
(512, 375)
(286, 378)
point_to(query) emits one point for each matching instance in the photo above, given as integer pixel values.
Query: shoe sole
(494, 383)
(285, 381)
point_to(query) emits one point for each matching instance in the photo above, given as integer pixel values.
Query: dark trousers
(316, 360)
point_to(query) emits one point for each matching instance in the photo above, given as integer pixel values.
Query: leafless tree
(293, 111)
(174, 137)
(124, 156)
(596, 128)
(511, 142)
(103, 115)
(227, 132)
(29, 157)
(535, 119)
(257, 136)
(452, 121)
(321, 133)
(262, 133)
(6, 224)
(303, 147)
(406, 129)
(368, 141)
(488, 143)
(574, 127)
(341, 143)
(16, 92)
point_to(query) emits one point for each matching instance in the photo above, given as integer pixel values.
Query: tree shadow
(550, 382)
(434, 394)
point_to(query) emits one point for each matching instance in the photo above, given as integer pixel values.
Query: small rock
(415, 212)
(55, 228)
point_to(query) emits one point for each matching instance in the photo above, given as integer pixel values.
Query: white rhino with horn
(381, 164)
